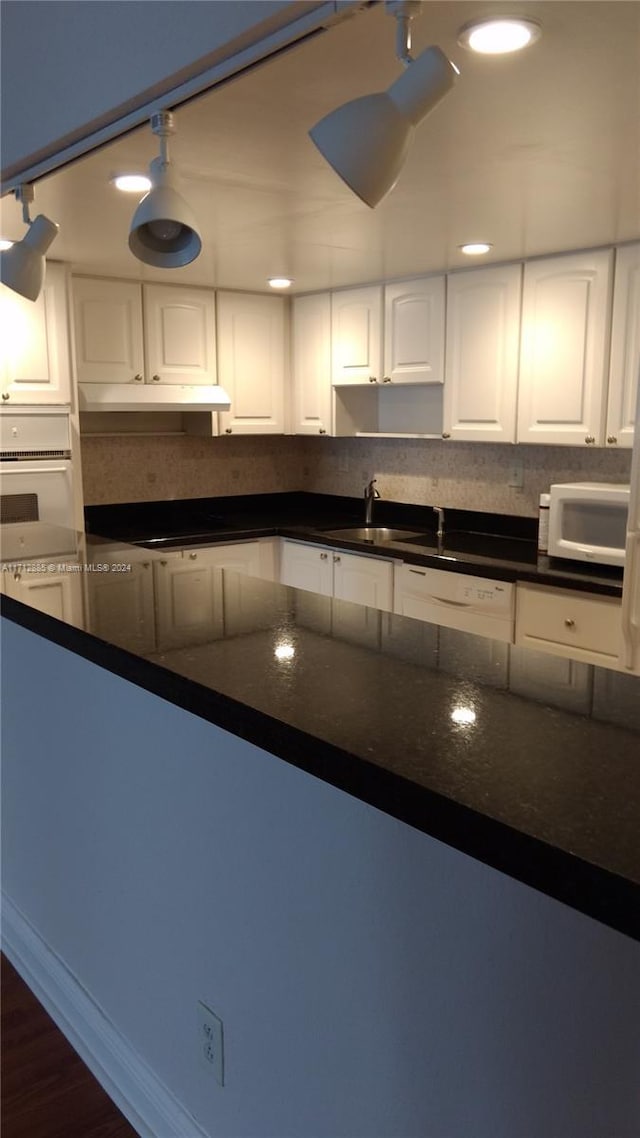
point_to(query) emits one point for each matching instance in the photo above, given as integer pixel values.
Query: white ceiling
(535, 152)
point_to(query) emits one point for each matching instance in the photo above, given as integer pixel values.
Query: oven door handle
(20, 468)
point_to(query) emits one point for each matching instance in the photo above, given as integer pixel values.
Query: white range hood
(144, 397)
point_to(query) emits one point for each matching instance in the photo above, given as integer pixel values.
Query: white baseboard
(146, 1102)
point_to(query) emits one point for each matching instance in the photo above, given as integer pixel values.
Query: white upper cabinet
(179, 334)
(251, 331)
(34, 344)
(625, 348)
(108, 331)
(564, 349)
(414, 331)
(483, 321)
(311, 350)
(128, 333)
(356, 335)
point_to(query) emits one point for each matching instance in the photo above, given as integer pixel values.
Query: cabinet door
(624, 367)
(251, 362)
(188, 602)
(121, 604)
(57, 593)
(581, 626)
(306, 567)
(481, 371)
(414, 331)
(563, 355)
(34, 343)
(363, 580)
(108, 331)
(311, 346)
(356, 335)
(179, 335)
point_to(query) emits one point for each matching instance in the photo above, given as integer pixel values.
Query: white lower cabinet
(195, 602)
(307, 567)
(56, 591)
(121, 599)
(188, 602)
(353, 577)
(455, 600)
(563, 622)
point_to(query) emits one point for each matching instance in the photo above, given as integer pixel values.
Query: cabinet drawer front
(457, 590)
(563, 617)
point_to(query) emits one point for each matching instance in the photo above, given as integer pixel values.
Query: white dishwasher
(456, 600)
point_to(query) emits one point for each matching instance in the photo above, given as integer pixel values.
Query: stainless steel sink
(374, 535)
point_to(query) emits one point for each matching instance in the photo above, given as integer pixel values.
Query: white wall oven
(35, 470)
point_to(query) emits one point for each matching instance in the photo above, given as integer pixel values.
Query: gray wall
(66, 66)
(373, 983)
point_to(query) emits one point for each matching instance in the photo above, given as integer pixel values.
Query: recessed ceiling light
(280, 282)
(497, 37)
(475, 248)
(5, 243)
(132, 183)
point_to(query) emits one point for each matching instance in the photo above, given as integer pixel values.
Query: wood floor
(47, 1092)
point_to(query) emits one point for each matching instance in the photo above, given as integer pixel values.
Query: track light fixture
(22, 266)
(367, 139)
(163, 229)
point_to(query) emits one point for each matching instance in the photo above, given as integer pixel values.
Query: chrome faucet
(370, 493)
(440, 534)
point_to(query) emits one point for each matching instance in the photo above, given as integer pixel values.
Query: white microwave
(588, 521)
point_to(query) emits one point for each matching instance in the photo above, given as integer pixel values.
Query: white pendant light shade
(164, 231)
(22, 267)
(366, 140)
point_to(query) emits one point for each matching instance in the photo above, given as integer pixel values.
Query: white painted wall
(66, 65)
(373, 983)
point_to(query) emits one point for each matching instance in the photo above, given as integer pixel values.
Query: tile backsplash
(422, 471)
(471, 476)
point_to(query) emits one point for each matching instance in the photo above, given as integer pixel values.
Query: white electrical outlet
(516, 474)
(211, 1042)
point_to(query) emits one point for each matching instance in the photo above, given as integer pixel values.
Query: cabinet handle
(228, 430)
(146, 564)
(569, 622)
(372, 379)
(589, 438)
(17, 576)
(419, 572)
(323, 556)
(137, 378)
(193, 556)
(612, 439)
(322, 431)
(156, 378)
(6, 395)
(446, 435)
(335, 559)
(387, 379)
(164, 564)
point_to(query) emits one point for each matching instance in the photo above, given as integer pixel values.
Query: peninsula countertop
(426, 724)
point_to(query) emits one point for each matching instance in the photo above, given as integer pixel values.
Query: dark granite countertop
(446, 731)
(489, 545)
